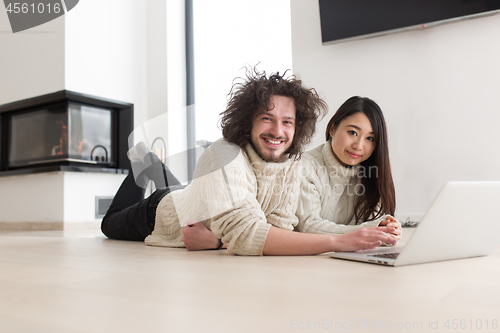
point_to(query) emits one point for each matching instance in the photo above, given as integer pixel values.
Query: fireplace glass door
(68, 131)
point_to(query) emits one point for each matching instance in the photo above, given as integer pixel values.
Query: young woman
(347, 182)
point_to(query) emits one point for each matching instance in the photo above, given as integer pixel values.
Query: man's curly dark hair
(247, 99)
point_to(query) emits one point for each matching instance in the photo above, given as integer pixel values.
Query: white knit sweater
(237, 195)
(327, 198)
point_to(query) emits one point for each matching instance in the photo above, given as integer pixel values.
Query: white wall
(31, 61)
(54, 200)
(32, 198)
(79, 191)
(106, 52)
(438, 89)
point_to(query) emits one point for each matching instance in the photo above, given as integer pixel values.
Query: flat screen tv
(344, 20)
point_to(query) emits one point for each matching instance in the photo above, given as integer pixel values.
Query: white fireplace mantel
(54, 200)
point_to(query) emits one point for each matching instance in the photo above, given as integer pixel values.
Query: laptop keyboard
(392, 255)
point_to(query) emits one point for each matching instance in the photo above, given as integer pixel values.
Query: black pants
(130, 216)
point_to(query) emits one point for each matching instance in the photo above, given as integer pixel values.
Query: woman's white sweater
(328, 194)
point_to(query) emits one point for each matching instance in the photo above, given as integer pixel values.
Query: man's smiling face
(273, 130)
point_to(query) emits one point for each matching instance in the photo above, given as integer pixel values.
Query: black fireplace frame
(122, 126)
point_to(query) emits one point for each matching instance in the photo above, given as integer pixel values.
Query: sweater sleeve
(226, 185)
(309, 211)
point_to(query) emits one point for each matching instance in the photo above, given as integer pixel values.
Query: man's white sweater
(235, 194)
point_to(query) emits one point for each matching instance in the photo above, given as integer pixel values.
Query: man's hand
(197, 237)
(392, 222)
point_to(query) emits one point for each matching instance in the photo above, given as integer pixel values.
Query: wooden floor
(79, 281)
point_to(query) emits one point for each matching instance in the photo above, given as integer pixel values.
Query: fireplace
(65, 131)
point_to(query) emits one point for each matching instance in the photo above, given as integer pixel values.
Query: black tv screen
(343, 20)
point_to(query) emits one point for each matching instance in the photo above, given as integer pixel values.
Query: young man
(246, 186)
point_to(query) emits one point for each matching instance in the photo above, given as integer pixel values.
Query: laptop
(462, 222)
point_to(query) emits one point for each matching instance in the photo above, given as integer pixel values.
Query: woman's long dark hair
(379, 194)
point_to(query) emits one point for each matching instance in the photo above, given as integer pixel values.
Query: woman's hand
(197, 237)
(392, 222)
(365, 239)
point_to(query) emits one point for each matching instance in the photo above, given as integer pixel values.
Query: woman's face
(353, 140)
